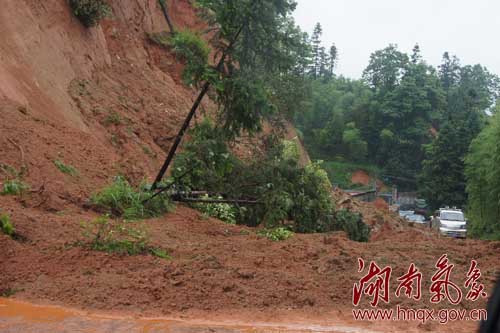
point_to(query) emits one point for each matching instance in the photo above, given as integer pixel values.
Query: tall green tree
(483, 182)
(253, 42)
(333, 59)
(442, 181)
(449, 71)
(316, 50)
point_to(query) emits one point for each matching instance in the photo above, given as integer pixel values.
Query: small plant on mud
(104, 234)
(276, 235)
(122, 200)
(90, 12)
(113, 118)
(66, 168)
(14, 187)
(221, 211)
(190, 48)
(352, 224)
(9, 292)
(6, 225)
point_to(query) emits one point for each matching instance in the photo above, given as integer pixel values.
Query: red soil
(107, 102)
(361, 177)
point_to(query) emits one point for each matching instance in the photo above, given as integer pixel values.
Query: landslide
(106, 101)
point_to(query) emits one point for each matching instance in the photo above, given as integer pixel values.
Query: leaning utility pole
(164, 9)
(194, 108)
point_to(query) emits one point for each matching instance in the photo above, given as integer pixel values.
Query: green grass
(160, 253)
(276, 235)
(6, 225)
(8, 169)
(14, 187)
(118, 236)
(66, 168)
(119, 199)
(113, 118)
(9, 292)
(340, 173)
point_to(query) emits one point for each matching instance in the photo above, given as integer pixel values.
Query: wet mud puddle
(20, 317)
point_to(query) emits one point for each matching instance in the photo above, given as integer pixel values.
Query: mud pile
(105, 101)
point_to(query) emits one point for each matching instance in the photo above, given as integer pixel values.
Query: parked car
(405, 213)
(416, 218)
(450, 222)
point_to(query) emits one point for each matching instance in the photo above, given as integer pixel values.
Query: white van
(451, 222)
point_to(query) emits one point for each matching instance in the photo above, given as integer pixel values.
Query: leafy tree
(301, 197)
(354, 142)
(449, 71)
(316, 50)
(256, 40)
(483, 182)
(333, 59)
(90, 12)
(386, 68)
(442, 181)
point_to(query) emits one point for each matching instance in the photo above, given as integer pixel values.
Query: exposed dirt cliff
(106, 101)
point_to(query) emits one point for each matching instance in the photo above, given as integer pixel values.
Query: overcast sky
(469, 29)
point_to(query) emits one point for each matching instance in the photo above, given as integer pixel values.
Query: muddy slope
(107, 102)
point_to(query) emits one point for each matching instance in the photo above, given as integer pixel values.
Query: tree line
(414, 121)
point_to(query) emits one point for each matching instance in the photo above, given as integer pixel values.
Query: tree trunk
(164, 9)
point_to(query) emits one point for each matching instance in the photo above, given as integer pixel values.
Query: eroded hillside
(106, 101)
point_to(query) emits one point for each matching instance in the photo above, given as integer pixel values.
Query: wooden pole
(190, 116)
(164, 9)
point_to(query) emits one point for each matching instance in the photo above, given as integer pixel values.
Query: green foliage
(10, 171)
(442, 181)
(9, 292)
(239, 112)
(291, 150)
(277, 234)
(193, 50)
(357, 147)
(122, 200)
(301, 197)
(160, 253)
(222, 211)
(106, 235)
(113, 118)
(6, 226)
(483, 182)
(110, 236)
(391, 116)
(90, 12)
(352, 224)
(264, 68)
(14, 187)
(66, 168)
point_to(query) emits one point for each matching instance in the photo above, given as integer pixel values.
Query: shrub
(190, 48)
(222, 211)
(103, 234)
(277, 234)
(122, 200)
(113, 118)
(66, 168)
(352, 224)
(90, 12)
(14, 187)
(301, 197)
(6, 225)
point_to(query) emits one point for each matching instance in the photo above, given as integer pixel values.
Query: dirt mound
(105, 101)
(361, 177)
